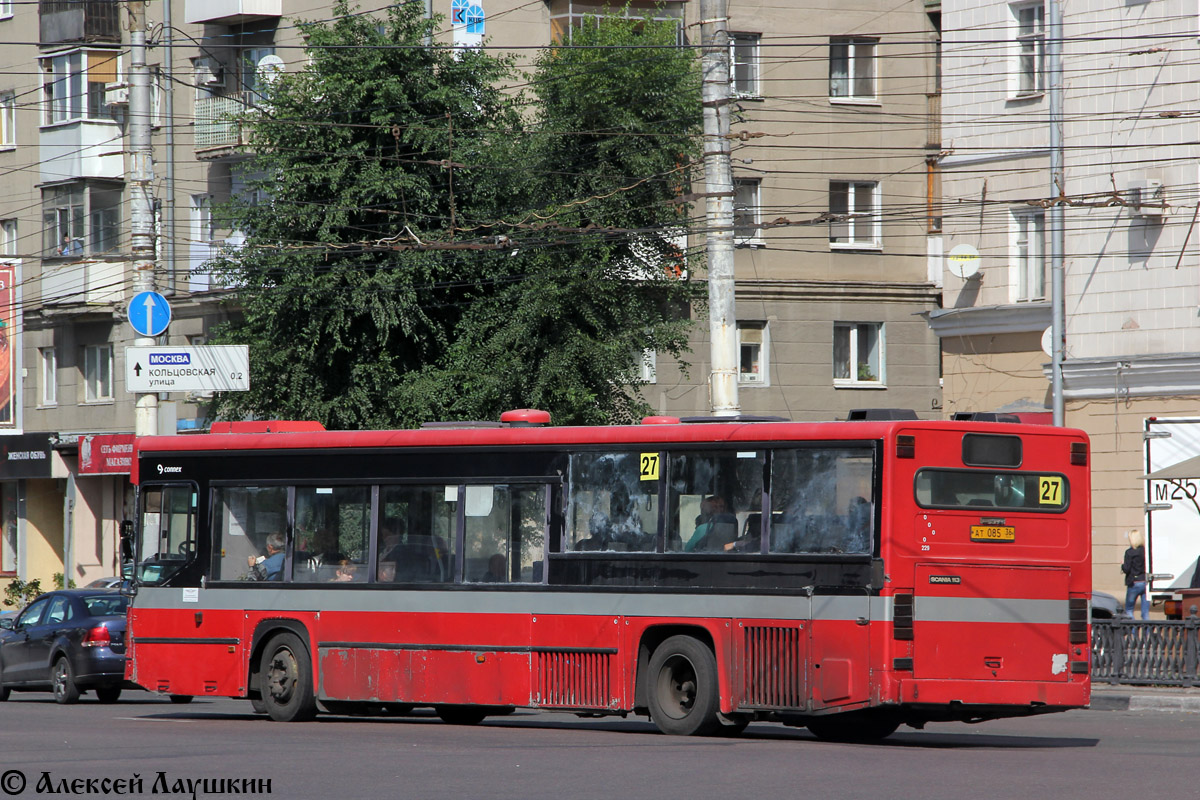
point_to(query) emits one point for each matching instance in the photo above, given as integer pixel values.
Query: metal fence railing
(1159, 652)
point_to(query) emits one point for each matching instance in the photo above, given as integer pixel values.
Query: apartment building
(832, 212)
(1130, 194)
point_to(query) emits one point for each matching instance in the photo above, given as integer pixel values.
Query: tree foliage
(432, 245)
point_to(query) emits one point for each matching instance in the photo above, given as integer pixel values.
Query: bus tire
(732, 724)
(286, 679)
(854, 726)
(108, 694)
(461, 715)
(682, 688)
(181, 699)
(258, 705)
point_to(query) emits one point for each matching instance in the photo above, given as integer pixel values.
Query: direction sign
(207, 368)
(149, 313)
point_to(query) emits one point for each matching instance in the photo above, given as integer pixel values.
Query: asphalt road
(529, 755)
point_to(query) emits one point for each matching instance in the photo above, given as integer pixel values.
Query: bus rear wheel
(286, 679)
(854, 726)
(462, 715)
(682, 686)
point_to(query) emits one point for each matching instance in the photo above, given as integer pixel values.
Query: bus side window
(612, 504)
(506, 544)
(819, 500)
(244, 516)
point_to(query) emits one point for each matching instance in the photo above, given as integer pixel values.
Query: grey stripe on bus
(792, 608)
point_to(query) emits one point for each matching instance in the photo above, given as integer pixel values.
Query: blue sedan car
(66, 642)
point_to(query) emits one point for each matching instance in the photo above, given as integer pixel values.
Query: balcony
(83, 282)
(230, 12)
(63, 21)
(81, 149)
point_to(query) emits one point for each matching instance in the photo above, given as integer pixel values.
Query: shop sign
(106, 454)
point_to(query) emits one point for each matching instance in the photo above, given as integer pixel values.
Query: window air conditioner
(750, 377)
(116, 94)
(1148, 199)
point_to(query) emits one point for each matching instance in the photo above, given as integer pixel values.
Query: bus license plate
(993, 533)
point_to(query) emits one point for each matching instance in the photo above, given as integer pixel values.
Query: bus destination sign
(204, 368)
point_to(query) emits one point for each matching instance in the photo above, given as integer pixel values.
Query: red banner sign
(106, 454)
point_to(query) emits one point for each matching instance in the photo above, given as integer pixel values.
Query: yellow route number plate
(993, 533)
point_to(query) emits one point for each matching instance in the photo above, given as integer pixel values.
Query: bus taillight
(1079, 455)
(906, 447)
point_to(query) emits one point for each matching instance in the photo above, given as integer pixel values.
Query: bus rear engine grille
(773, 668)
(573, 680)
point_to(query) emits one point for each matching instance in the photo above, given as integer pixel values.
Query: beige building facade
(833, 213)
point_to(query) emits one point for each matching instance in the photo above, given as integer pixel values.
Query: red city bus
(845, 576)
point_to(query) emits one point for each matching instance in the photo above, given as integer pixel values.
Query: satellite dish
(964, 261)
(1048, 341)
(269, 68)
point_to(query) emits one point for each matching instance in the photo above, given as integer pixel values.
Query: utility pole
(1058, 192)
(718, 217)
(141, 203)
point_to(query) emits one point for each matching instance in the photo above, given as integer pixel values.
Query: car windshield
(106, 605)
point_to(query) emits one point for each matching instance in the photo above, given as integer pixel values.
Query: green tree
(426, 250)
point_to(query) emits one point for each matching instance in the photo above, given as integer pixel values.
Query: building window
(254, 83)
(566, 15)
(854, 214)
(852, 69)
(73, 85)
(747, 212)
(1031, 48)
(752, 352)
(6, 9)
(80, 219)
(97, 373)
(858, 354)
(49, 360)
(1029, 255)
(743, 64)
(8, 237)
(8, 120)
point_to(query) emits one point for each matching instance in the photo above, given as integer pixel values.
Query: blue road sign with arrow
(149, 313)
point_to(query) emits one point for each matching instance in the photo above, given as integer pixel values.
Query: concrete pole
(1054, 69)
(141, 203)
(718, 179)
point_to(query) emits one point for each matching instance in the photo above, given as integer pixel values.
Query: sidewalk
(1125, 697)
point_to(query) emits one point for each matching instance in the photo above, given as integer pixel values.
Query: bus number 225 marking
(649, 463)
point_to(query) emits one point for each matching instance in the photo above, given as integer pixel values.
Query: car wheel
(62, 680)
(682, 688)
(286, 679)
(108, 694)
(4, 693)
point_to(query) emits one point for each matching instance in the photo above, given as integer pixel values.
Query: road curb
(1104, 701)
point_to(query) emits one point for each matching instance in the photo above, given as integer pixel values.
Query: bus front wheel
(286, 679)
(682, 686)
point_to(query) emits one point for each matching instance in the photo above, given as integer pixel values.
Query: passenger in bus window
(323, 549)
(715, 526)
(496, 570)
(386, 573)
(858, 526)
(347, 572)
(270, 566)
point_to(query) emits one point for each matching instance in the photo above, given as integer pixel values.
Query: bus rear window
(1031, 491)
